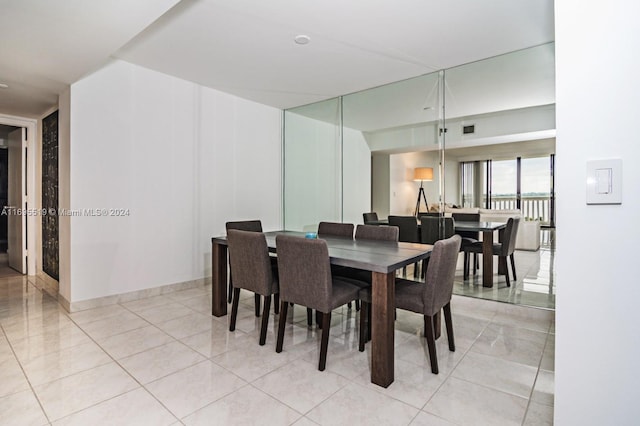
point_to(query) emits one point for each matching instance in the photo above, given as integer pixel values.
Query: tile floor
(165, 360)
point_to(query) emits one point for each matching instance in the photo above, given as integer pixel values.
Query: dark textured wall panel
(50, 227)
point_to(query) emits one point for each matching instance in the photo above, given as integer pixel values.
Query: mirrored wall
(357, 153)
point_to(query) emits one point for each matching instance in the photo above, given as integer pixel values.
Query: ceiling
(246, 47)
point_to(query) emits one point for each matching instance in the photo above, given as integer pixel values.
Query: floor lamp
(421, 174)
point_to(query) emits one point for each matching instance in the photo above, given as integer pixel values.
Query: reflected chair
(427, 298)
(250, 261)
(505, 248)
(468, 237)
(431, 230)
(408, 233)
(370, 217)
(252, 226)
(305, 279)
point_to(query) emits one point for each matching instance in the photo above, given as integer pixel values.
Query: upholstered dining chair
(252, 226)
(252, 270)
(503, 249)
(335, 229)
(468, 238)
(305, 279)
(369, 217)
(408, 228)
(427, 298)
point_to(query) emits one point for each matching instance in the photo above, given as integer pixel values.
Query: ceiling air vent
(467, 130)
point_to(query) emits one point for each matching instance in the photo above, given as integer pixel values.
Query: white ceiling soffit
(246, 47)
(47, 45)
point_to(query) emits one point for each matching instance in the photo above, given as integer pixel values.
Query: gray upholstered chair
(252, 226)
(428, 298)
(378, 233)
(369, 217)
(335, 229)
(305, 279)
(505, 248)
(468, 237)
(252, 270)
(408, 226)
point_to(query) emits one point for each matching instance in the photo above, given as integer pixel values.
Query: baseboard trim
(131, 296)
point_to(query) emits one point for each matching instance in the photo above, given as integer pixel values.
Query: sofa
(528, 231)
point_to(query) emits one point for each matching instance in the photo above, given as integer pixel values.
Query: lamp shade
(422, 173)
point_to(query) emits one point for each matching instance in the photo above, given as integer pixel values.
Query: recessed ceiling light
(302, 39)
(4, 86)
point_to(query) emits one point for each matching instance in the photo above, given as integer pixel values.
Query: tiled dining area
(164, 360)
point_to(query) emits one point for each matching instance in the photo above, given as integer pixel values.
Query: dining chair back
(379, 233)
(250, 261)
(408, 228)
(369, 217)
(305, 279)
(335, 229)
(432, 229)
(244, 225)
(467, 217)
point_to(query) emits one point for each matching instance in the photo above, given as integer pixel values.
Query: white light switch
(604, 181)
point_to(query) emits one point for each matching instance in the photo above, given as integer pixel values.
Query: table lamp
(421, 174)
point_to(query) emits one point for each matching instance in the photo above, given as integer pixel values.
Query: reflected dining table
(487, 229)
(382, 258)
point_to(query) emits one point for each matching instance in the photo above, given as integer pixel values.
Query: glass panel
(313, 162)
(536, 185)
(388, 132)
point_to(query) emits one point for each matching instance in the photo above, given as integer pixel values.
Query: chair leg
(234, 309)
(281, 323)
(265, 320)
(309, 317)
(364, 325)
(230, 291)
(513, 266)
(257, 299)
(319, 319)
(357, 305)
(503, 264)
(431, 343)
(449, 323)
(466, 266)
(324, 343)
(276, 303)
(349, 305)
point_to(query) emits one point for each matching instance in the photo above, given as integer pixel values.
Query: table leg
(487, 259)
(382, 328)
(218, 279)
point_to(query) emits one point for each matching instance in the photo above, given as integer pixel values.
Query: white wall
(64, 192)
(181, 158)
(598, 296)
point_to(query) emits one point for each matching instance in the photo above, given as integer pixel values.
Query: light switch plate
(604, 181)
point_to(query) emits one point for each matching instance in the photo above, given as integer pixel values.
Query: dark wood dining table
(382, 258)
(487, 229)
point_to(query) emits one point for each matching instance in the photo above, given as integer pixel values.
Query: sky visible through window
(536, 179)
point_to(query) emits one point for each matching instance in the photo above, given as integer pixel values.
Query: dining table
(382, 258)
